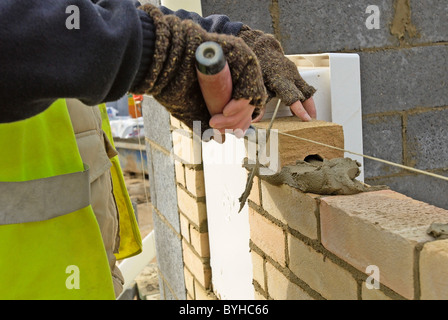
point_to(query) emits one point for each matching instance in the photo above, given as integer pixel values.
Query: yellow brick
(290, 149)
(180, 172)
(184, 227)
(200, 269)
(280, 288)
(195, 181)
(434, 270)
(292, 207)
(255, 192)
(202, 294)
(373, 294)
(199, 241)
(324, 276)
(193, 210)
(175, 122)
(258, 296)
(187, 149)
(189, 282)
(258, 268)
(267, 236)
(380, 228)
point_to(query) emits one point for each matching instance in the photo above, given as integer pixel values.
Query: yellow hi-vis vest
(50, 241)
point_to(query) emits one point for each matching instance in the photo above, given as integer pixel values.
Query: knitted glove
(172, 78)
(280, 74)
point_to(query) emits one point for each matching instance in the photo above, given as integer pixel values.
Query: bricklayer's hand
(172, 78)
(280, 74)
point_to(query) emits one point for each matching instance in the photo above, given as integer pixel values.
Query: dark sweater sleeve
(214, 23)
(42, 60)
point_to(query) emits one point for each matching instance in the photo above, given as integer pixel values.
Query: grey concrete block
(430, 17)
(311, 26)
(165, 187)
(170, 259)
(382, 138)
(427, 139)
(150, 169)
(396, 80)
(157, 122)
(254, 13)
(420, 187)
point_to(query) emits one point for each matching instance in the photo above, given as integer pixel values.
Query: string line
(369, 157)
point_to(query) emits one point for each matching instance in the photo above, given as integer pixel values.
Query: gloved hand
(280, 74)
(172, 78)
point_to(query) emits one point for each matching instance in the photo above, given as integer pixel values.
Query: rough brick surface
(290, 149)
(321, 274)
(434, 270)
(292, 207)
(186, 148)
(194, 180)
(197, 266)
(195, 211)
(267, 236)
(378, 228)
(281, 288)
(258, 268)
(200, 242)
(372, 294)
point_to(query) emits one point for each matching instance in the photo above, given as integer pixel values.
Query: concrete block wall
(163, 191)
(404, 75)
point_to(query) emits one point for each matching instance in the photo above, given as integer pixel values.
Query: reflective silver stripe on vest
(43, 199)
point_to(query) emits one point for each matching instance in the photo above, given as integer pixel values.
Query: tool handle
(214, 76)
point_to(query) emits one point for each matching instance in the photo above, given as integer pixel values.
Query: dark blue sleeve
(213, 23)
(42, 60)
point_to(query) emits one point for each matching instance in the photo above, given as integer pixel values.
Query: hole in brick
(313, 158)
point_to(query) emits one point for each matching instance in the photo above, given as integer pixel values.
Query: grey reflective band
(43, 199)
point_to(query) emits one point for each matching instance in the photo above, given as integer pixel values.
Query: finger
(219, 121)
(310, 107)
(260, 116)
(235, 106)
(298, 109)
(242, 128)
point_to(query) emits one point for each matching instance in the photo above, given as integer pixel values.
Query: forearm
(42, 60)
(213, 23)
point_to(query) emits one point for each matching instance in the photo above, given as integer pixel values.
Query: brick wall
(303, 246)
(192, 212)
(178, 201)
(321, 247)
(307, 246)
(404, 75)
